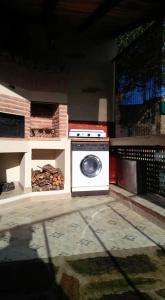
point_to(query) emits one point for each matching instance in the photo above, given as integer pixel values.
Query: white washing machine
(90, 166)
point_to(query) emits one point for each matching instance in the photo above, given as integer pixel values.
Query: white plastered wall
(41, 157)
(10, 166)
(25, 171)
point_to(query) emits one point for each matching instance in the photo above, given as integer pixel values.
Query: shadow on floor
(24, 275)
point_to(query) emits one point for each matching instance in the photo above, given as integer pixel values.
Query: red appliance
(89, 126)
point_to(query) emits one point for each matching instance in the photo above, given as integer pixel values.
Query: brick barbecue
(41, 121)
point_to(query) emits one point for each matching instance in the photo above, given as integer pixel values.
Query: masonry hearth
(41, 139)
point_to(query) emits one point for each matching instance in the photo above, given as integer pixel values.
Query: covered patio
(59, 55)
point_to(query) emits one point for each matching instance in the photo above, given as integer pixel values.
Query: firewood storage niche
(48, 169)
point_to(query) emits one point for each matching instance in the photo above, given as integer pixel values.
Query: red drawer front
(113, 169)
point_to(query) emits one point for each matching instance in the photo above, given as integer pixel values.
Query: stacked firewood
(47, 179)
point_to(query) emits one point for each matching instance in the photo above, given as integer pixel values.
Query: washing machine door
(91, 166)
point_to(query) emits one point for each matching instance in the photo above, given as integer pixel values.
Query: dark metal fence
(153, 159)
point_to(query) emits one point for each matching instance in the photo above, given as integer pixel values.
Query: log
(50, 169)
(48, 178)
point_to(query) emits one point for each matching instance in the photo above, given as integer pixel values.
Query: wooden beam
(148, 140)
(49, 19)
(100, 11)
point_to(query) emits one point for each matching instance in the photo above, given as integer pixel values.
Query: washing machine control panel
(90, 146)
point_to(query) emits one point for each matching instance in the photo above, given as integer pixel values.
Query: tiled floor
(87, 226)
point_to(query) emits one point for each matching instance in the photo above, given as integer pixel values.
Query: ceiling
(53, 31)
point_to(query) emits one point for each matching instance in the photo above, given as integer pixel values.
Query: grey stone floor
(72, 227)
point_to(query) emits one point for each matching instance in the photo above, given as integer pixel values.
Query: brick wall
(41, 122)
(60, 121)
(17, 106)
